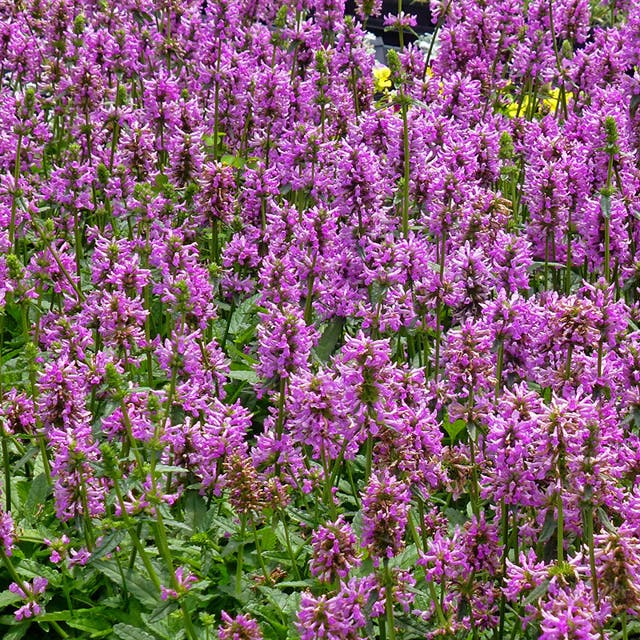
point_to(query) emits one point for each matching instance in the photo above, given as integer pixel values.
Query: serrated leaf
(139, 586)
(453, 429)
(38, 493)
(162, 611)
(329, 339)
(92, 621)
(195, 511)
(54, 616)
(606, 522)
(549, 526)
(605, 205)
(247, 375)
(244, 316)
(166, 468)
(537, 593)
(30, 453)
(129, 632)
(16, 632)
(109, 543)
(30, 569)
(7, 598)
(296, 584)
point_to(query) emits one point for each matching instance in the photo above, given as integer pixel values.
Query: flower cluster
(298, 340)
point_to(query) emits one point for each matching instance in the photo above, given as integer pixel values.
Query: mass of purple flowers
(297, 344)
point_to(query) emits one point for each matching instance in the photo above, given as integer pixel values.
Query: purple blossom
(385, 504)
(334, 551)
(240, 627)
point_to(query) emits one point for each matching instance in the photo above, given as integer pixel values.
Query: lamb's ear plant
(294, 344)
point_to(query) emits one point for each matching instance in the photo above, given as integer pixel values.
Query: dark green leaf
(605, 205)
(453, 429)
(129, 632)
(92, 621)
(247, 375)
(38, 493)
(162, 611)
(139, 586)
(7, 598)
(549, 526)
(16, 632)
(329, 339)
(109, 543)
(537, 593)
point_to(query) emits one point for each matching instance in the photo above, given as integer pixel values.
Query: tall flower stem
(388, 601)
(163, 548)
(14, 195)
(7, 471)
(588, 534)
(407, 164)
(240, 554)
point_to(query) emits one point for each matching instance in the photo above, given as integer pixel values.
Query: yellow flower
(553, 99)
(381, 78)
(512, 108)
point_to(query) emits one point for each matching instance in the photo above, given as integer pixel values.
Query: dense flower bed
(296, 345)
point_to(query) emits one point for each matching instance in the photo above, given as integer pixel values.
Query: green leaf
(233, 161)
(247, 375)
(30, 453)
(329, 339)
(129, 632)
(139, 586)
(55, 616)
(537, 593)
(244, 316)
(166, 468)
(605, 205)
(606, 522)
(30, 569)
(195, 511)
(7, 598)
(453, 429)
(109, 543)
(296, 584)
(162, 611)
(17, 632)
(549, 527)
(38, 493)
(92, 621)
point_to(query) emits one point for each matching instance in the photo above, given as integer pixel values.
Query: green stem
(7, 470)
(588, 532)
(308, 309)
(263, 567)
(474, 493)
(567, 273)
(607, 248)
(407, 165)
(436, 603)
(400, 29)
(287, 541)
(499, 365)
(240, 554)
(135, 538)
(163, 547)
(14, 198)
(436, 364)
(505, 554)
(388, 601)
(281, 399)
(560, 532)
